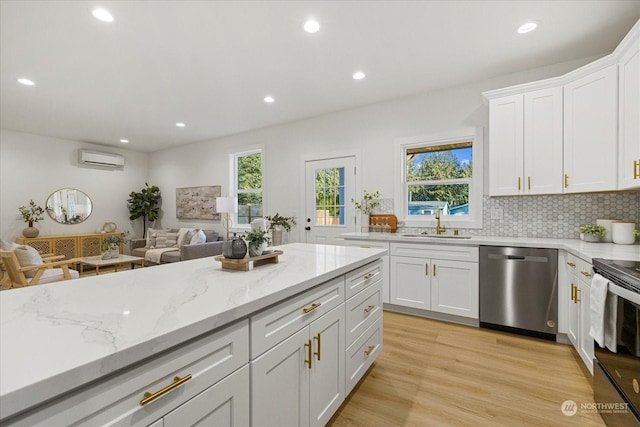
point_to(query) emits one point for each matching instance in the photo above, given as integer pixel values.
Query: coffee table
(97, 262)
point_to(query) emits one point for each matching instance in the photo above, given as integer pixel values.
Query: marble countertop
(59, 336)
(584, 250)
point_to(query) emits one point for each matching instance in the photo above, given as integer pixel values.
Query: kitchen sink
(436, 236)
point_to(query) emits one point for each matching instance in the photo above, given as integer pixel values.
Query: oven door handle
(624, 293)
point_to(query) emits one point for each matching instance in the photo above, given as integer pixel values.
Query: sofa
(160, 247)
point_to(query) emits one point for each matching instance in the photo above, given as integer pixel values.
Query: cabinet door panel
(506, 140)
(586, 341)
(223, 404)
(280, 384)
(454, 288)
(542, 142)
(410, 282)
(590, 132)
(326, 389)
(629, 138)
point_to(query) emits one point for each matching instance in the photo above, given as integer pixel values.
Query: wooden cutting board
(390, 219)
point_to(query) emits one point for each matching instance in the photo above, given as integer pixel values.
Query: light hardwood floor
(432, 373)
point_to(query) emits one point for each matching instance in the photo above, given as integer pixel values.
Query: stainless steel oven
(616, 376)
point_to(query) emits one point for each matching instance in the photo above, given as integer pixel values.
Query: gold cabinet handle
(434, 270)
(529, 183)
(636, 169)
(573, 292)
(518, 183)
(369, 350)
(566, 180)
(369, 308)
(426, 269)
(586, 273)
(313, 307)
(309, 350)
(365, 247)
(368, 276)
(317, 338)
(177, 381)
(571, 264)
(577, 300)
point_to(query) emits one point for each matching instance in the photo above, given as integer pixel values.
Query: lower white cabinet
(579, 273)
(225, 404)
(300, 382)
(438, 278)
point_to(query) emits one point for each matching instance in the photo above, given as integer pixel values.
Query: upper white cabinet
(526, 143)
(629, 116)
(590, 132)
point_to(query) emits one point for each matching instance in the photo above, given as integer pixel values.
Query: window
(329, 201)
(442, 174)
(247, 175)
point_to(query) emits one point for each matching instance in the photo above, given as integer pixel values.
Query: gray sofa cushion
(212, 236)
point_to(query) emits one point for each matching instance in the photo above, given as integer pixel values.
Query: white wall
(34, 166)
(369, 130)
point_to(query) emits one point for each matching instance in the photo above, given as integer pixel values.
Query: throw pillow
(182, 235)
(28, 256)
(187, 238)
(199, 237)
(212, 236)
(152, 233)
(7, 246)
(166, 240)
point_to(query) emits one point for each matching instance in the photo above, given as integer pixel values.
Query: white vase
(607, 223)
(622, 233)
(364, 223)
(114, 251)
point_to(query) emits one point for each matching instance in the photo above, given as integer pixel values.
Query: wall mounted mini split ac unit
(99, 159)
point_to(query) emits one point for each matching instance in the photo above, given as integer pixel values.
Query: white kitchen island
(59, 342)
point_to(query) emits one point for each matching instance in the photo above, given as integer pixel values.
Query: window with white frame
(441, 174)
(248, 180)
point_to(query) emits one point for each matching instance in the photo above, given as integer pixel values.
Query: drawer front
(426, 250)
(362, 311)
(366, 244)
(364, 277)
(579, 267)
(362, 354)
(275, 324)
(116, 400)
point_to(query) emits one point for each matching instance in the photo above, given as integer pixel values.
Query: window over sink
(440, 173)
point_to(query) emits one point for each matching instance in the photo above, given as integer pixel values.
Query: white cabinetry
(579, 275)
(526, 142)
(590, 132)
(366, 243)
(439, 278)
(629, 120)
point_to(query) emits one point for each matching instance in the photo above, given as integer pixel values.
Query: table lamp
(227, 205)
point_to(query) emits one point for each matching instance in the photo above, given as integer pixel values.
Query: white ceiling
(209, 64)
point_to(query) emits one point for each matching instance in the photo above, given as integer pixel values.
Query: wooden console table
(69, 245)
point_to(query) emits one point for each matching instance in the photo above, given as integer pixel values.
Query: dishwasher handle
(525, 258)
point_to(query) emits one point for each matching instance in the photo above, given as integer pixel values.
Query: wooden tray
(392, 220)
(246, 264)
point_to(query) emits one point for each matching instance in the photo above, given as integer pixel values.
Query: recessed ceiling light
(180, 124)
(26, 82)
(358, 75)
(103, 15)
(311, 26)
(527, 27)
(124, 141)
(269, 99)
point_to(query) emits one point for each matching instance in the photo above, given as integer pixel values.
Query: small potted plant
(257, 241)
(31, 214)
(111, 246)
(278, 224)
(591, 232)
(369, 203)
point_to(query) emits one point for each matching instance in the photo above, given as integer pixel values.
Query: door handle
(309, 351)
(317, 338)
(308, 228)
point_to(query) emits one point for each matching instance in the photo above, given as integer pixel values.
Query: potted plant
(144, 204)
(257, 241)
(366, 206)
(111, 246)
(278, 224)
(591, 232)
(31, 214)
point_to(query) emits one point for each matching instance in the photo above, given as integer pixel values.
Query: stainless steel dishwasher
(519, 290)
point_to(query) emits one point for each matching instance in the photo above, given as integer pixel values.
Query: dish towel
(603, 307)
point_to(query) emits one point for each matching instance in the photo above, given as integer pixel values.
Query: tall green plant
(144, 204)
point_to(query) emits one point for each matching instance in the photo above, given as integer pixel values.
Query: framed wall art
(197, 202)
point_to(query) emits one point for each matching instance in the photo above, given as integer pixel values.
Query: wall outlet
(496, 214)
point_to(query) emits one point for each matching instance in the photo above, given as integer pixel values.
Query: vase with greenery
(592, 232)
(278, 224)
(31, 214)
(144, 204)
(366, 206)
(257, 241)
(111, 246)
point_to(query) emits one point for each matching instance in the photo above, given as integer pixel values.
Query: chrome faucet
(439, 228)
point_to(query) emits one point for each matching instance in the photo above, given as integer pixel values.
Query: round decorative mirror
(69, 206)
